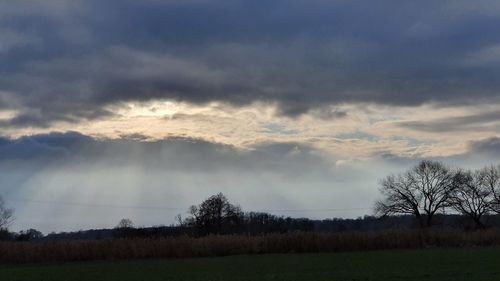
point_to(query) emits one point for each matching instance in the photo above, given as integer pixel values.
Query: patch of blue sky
(414, 141)
(358, 135)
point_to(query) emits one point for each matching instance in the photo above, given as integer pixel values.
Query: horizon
(126, 109)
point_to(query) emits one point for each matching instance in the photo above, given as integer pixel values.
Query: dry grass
(183, 247)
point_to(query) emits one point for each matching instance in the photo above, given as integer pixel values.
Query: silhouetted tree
(421, 191)
(28, 235)
(490, 178)
(259, 223)
(124, 229)
(472, 197)
(125, 223)
(179, 220)
(6, 235)
(6, 215)
(216, 215)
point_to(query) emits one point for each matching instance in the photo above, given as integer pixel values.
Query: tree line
(217, 215)
(425, 191)
(429, 193)
(431, 187)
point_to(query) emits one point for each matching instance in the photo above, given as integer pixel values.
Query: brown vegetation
(221, 245)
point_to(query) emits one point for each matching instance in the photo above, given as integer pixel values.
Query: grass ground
(429, 264)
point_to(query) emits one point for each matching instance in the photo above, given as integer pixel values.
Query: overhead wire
(144, 207)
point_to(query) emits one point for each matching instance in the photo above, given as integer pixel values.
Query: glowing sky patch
(399, 131)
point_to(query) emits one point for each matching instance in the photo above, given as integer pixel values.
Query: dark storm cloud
(65, 60)
(183, 154)
(45, 147)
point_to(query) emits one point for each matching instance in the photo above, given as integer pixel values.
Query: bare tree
(215, 215)
(490, 178)
(423, 190)
(6, 215)
(125, 223)
(124, 229)
(29, 235)
(472, 197)
(179, 220)
(400, 197)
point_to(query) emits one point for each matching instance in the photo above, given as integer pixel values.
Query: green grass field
(431, 264)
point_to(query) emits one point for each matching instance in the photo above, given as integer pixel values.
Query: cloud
(50, 8)
(475, 122)
(487, 56)
(46, 147)
(488, 147)
(328, 113)
(300, 55)
(11, 40)
(180, 154)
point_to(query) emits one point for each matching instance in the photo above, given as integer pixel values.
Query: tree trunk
(420, 221)
(479, 224)
(429, 220)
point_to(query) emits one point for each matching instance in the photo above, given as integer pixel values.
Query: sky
(138, 109)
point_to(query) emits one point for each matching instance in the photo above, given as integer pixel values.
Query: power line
(97, 205)
(315, 210)
(112, 206)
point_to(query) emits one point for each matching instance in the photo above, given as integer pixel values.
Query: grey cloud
(46, 147)
(479, 153)
(48, 8)
(135, 137)
(477, 122)
(301, 55)
(328, 114)
(178, 154)
(490, 55)
(489, 147)
(44, 116)
(11, 39)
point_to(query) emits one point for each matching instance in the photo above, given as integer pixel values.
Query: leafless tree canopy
(490, 179)
(215, 215)
(400, 196)
(6, 215)
(423, 190)
(125, 223)
(472, 196)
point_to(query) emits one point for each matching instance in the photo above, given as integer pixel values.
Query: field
(230, 245)
(424, 264)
